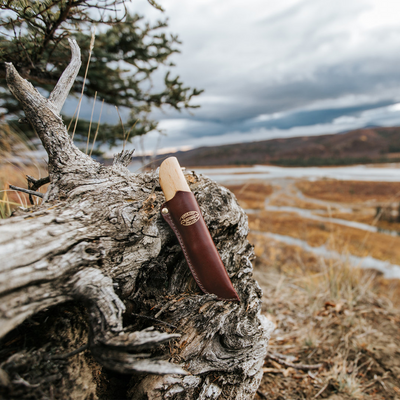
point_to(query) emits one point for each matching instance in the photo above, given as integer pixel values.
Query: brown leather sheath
(184, 216)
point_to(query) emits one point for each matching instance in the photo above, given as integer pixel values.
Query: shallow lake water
(373, 173)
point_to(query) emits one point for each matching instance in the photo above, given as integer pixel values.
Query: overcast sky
(281, 68)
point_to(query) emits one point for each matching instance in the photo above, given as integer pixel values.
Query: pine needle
(97, 129)
(90, 124)
(84, 79)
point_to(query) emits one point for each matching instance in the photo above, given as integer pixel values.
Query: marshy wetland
(327, 246)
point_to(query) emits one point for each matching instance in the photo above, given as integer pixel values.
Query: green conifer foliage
(127, 53)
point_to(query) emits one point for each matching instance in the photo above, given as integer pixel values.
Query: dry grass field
(365, 216)
(337, 326)
(251, 195)
(351, 191)
(327, 313)
(336, 237)
(285, 200)
(16, 162)
(16, 175)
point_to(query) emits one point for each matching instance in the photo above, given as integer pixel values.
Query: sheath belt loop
(184, 217)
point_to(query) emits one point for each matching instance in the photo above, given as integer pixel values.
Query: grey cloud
(206, 128)
(252, 61)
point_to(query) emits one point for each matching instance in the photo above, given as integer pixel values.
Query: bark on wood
(98, 239)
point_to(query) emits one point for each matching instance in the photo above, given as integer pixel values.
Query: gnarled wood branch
(98, 239)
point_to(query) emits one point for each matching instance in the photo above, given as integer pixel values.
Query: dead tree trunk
(98, 239)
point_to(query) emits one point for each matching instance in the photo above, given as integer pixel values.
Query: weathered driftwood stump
(97, 249)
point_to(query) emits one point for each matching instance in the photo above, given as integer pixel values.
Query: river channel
(284, 178)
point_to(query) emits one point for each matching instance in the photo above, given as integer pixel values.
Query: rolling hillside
(358, 146)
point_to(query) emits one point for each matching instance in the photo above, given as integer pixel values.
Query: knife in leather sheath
(183, 215)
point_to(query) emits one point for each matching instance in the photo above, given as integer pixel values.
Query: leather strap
(184, 217)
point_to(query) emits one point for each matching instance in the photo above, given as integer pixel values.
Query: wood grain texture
(97, 250)
(171, 178)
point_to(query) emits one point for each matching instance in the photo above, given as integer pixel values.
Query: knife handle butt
(171, 178)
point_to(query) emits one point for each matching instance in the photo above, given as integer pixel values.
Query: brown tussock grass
(289, 201)
(326, 312)
(15, 163)
(366, 216)
(341, 238)
(350, 191)
(251, 195)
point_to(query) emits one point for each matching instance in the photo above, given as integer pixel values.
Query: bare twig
(34, 184)
(261, 394)
(37, 183)
(154, 320)
(322, 389)
(160, 160)
(305, 367)
(22, 381)
(70, 354)
(32, 192)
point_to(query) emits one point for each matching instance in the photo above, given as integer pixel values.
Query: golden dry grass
(292, 201)
(15, 164)
(365, 217)
(251, 195)
(326, 312)
(342, 238)
(351, 191)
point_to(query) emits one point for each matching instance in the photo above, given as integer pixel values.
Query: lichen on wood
(98, 246)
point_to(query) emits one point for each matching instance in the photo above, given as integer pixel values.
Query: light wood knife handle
(172, 178)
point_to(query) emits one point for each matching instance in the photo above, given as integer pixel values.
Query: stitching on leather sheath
(185, 253)
(178, 235)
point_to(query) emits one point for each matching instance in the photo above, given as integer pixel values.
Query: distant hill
(359, 146)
